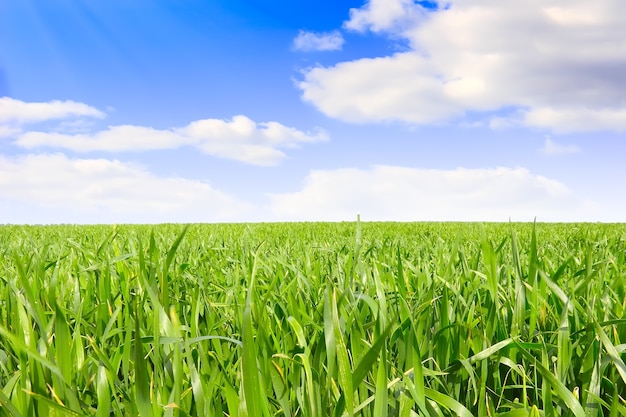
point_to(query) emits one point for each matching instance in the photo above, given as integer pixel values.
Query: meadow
(313, 319)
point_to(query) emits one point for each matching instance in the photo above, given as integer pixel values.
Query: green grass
(346, 319)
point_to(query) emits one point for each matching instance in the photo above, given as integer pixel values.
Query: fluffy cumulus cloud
(239, 139)
(55, 188)
(552, 64)
(314, 41)
(385, 16)
(244, 140)
(395, 193)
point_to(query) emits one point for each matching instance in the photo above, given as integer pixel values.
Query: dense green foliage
(376, 319)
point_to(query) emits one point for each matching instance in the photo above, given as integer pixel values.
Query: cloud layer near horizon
(394, 193)
(106, 190)
(554, 65)
(74, 190)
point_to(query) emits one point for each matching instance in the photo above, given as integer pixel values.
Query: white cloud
(17, 111)
(400, 87)
(244, 140)
(550, 147)
(549, 61)
(55, 188)
(384, 16)
(314, 41)
(14, 114)
(239, 139)
(566, 120)
(409, 194)
(114, 139)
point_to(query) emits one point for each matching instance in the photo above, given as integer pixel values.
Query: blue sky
(196, 111)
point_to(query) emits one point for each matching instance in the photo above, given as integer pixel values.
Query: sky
(152, 111)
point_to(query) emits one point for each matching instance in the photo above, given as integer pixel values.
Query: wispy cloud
(551, 147)
(20, 112)
(316, 41)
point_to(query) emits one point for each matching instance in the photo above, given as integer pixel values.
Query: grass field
(313, 319)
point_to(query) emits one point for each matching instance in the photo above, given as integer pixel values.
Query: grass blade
(448, 402)
(143, 399)
(345, 372)
(251, 384)
(563, 393)
(611, 351)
